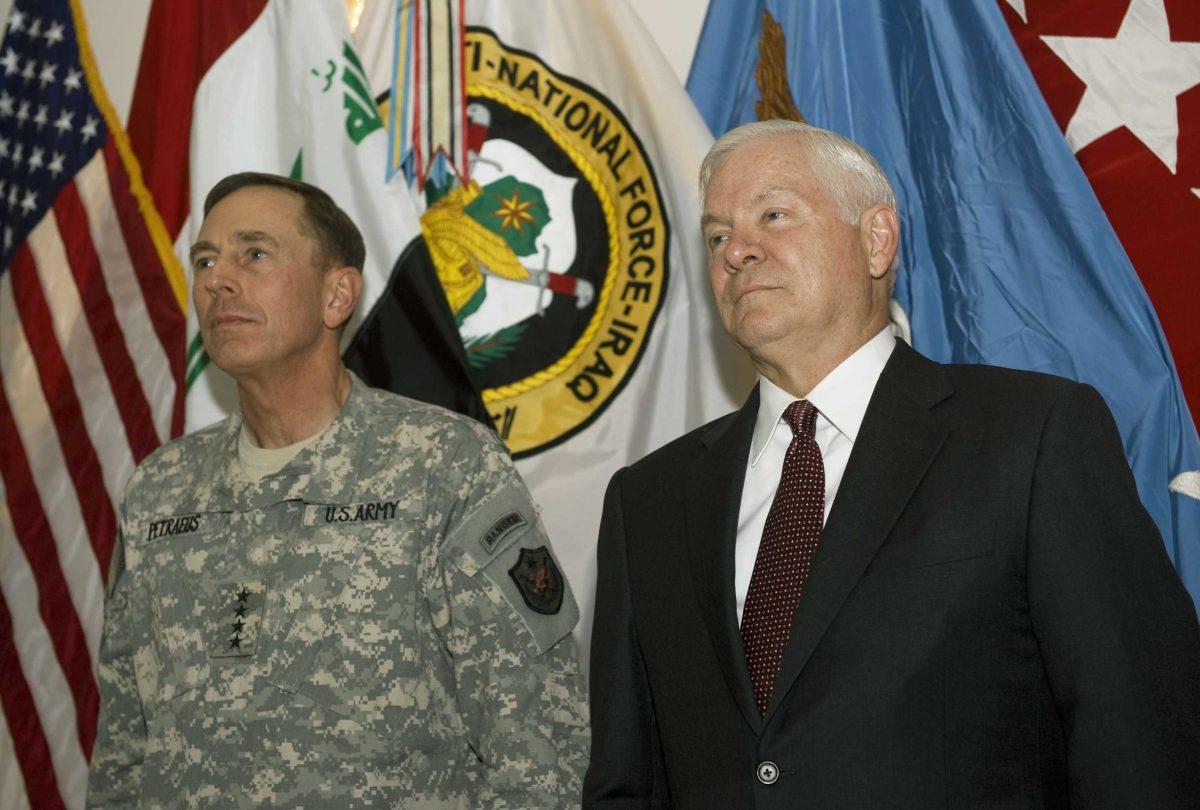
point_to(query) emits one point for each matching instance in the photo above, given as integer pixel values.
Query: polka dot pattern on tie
(789, 543)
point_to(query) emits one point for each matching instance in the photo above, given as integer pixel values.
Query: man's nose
(743, 250)
(220, 279)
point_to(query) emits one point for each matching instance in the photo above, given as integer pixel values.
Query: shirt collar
(323, 472)
(841, 397)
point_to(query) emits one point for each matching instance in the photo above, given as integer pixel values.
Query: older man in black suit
(883, 582)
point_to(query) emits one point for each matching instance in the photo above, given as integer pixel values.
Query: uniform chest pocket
(174, 552)
(347, 587)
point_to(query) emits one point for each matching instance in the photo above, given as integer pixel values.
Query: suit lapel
(713, 500)
(897, 442)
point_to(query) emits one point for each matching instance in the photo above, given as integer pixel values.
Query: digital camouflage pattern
(345, 633)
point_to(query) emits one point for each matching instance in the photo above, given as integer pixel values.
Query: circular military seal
(553, 257)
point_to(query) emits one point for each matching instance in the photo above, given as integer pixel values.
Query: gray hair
(848, 171)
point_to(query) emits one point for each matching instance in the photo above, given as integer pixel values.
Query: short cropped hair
(848, 171)
(339, 242)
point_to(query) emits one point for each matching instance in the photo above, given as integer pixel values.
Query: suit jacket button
(767, 772)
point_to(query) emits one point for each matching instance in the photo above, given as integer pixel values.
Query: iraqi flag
(278, 87)
(1009, 253)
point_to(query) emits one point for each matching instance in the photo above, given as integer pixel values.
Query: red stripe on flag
(32, 750)
(183, 39)
(165, 317)
(83, 463)
(106, 329)
(54, 599)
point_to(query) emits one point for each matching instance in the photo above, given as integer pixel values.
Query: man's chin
(235, 360)
(755, 334)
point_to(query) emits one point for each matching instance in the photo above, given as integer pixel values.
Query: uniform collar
(324, 472)
(841, 397)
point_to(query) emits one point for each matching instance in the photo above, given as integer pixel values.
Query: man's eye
(773, 215)
(256, 253)
(716, 239)
(204, 263)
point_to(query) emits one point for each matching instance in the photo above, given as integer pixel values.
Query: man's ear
(343, 286)
(880, 232)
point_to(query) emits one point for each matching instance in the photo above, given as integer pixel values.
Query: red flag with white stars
(1122, 78)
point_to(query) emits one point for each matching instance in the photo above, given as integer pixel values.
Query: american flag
(91, 381)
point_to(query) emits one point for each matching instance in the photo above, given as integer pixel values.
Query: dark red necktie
(789, 543)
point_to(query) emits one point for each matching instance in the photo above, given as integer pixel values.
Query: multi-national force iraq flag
(570, 264)
(1008, 256)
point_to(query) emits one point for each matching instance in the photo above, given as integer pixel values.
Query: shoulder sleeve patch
(532, 581)
(538, 580)
(503, 542)
(490, 528)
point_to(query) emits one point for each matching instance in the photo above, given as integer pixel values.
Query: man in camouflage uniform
(337, 597)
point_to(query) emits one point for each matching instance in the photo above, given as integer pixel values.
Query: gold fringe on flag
(771, 74)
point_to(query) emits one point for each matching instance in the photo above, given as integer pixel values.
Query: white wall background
(116, 28)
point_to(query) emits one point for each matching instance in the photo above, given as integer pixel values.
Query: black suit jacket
(990, 620)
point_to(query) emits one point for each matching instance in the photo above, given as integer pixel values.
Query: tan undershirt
(259, 462)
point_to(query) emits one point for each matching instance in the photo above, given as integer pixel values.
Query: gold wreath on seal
(460, 246)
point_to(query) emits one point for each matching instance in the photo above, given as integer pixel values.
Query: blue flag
(1007, 257)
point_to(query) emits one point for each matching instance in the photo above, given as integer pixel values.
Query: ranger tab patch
(539, 580)
(501, 529)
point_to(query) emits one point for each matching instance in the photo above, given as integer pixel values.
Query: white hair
(844, 168)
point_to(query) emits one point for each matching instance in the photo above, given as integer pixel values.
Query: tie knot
(802, 416)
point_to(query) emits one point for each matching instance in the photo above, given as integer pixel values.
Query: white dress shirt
(841, 401)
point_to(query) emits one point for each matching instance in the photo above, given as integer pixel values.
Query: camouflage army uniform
(378, 624)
